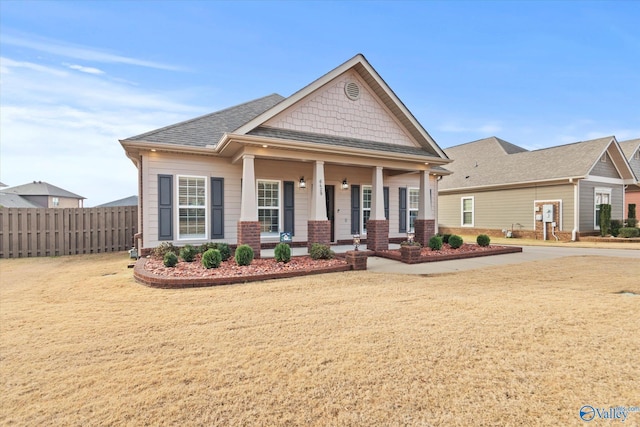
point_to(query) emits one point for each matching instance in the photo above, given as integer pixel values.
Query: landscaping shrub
(605, 219)
(616, 225)
(632, 211)
(632, 222)
(483, 240)
(445, 237)
(163, 248)
(224, 248)
(244, 255)
(629, 232)
(320, 251)
(188, 253)
(455, 241)
(170, 259)
(211, 258)
(282, 252)
(435, 243)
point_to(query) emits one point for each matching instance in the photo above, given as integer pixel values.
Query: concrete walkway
(529, 253)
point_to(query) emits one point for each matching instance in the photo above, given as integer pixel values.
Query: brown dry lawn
(529, 344)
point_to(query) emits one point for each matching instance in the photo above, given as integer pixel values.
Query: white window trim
(205, 207)
(596, 191)
(473, 211)
(410, 209)
(258, 207)
(363, 230)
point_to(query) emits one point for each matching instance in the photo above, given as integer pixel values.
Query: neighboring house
(631, 150)
(499, 188)
(127, 201)
(44, 195)
(10, 200)
(341, 156)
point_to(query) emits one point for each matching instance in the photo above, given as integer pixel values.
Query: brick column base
(249, 234)
(318, 232)
(424, 230)
(378, 235)
(356, 259)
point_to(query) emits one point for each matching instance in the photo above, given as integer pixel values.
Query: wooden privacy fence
(35, 232)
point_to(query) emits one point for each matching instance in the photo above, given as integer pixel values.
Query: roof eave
(554, 181)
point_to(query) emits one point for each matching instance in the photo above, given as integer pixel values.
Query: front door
(329, 196)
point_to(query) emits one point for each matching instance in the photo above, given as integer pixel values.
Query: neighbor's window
(269, 206)
(366, 206)
(192, 210)
(414, 200)
(602, 197)
(56, 202)
(467, 211)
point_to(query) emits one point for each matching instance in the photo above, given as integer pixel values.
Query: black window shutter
(355, 209)
(403, 210)
(217, 208)
(165, 207)
(289, 218)
(386, 202)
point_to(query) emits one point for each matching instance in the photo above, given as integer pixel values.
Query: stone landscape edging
(163, 282)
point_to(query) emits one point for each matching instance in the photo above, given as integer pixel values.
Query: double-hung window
(602, 197)
(467, 211)
(414, 200)
(366, 206)
(192, 207)
(269, 206)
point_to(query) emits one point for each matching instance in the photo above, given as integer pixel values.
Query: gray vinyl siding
(635, 166)
(605, 169)
(504, 209)
(587, 195)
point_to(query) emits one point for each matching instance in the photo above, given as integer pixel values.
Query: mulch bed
(152, 272)
(467, 250)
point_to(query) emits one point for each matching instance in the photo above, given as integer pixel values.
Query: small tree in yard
(605, 219)
(631, 218)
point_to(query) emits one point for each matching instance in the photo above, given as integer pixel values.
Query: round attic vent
(352, 90)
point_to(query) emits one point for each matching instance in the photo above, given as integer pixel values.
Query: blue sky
(75, 77)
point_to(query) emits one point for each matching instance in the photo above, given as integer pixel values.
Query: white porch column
(318, 210)
(377, 195)
(425, 204)
(249, 202)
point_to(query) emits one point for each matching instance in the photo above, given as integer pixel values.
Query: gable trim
(362, 67)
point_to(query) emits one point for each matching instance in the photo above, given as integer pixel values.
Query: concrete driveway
(529, 253)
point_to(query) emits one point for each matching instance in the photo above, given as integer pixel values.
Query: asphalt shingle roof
(360, 144)
(630, 147)
(10, 200)
(40, 188)
(208, 129)
(486, 162)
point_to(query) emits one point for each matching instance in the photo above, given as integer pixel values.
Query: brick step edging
(501, 250)
(156, 281)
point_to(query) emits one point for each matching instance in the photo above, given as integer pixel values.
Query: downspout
(576, 210)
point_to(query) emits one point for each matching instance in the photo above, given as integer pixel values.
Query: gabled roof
(127, 201)
(10, 200)
(208, 129)
(212, 134)
(361, 66)
(630, 147)
(487, 163)
(41, 188)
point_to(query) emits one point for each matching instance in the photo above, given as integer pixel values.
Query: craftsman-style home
(554, 193)
(342, 156)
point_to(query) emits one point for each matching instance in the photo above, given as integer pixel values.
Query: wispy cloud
(68, 124)
(66, 50)
(455, 127)
(88, 70)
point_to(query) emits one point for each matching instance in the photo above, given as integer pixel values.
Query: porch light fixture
(410, 236)
(356, 241)
(302, 183)
(345, 184)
